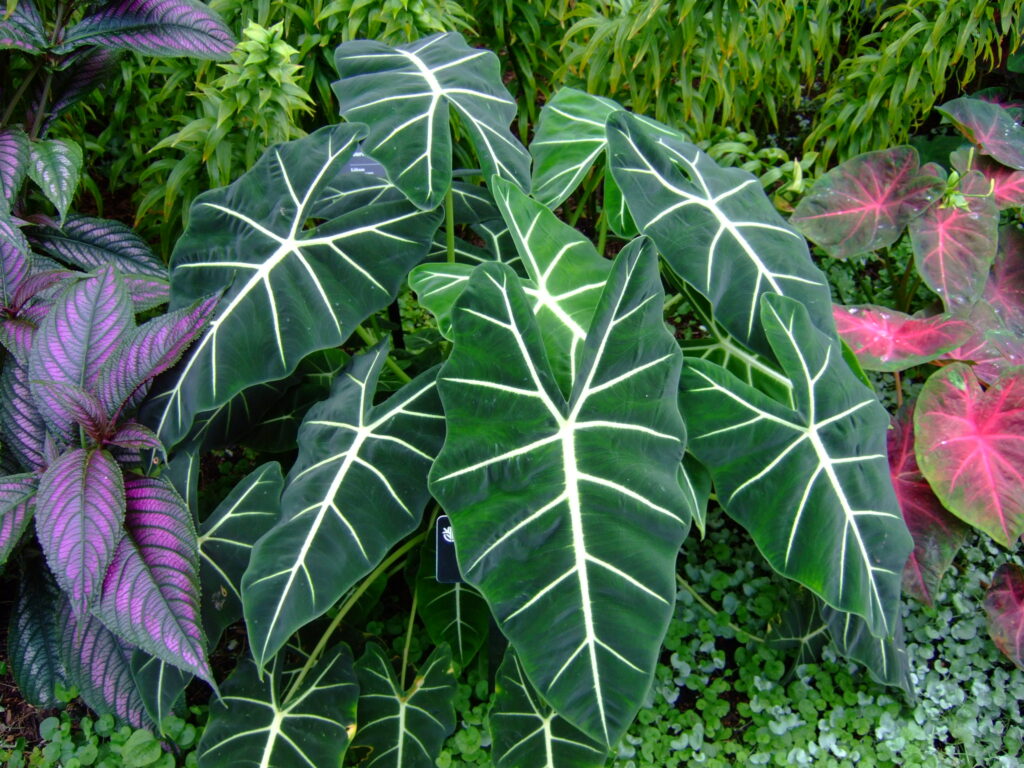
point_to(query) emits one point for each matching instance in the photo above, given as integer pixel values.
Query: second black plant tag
(447, 566)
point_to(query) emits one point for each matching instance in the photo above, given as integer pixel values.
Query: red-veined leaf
(1004, 290)
(887, 340)
(991, 349)
(970, 447)
(954, 247)
(1004, 604)
(937, 534)
(1007, 184)
(864, 203)
(989, 127)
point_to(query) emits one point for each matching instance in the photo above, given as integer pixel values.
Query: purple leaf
(132, 441)
(42, 280)
(83, 407)
(954, 247)
(1004, 290)
(22, 428)
(17, 500)
(82, 72)
(84, 329)
(13, 162)
(154, 27)
(33, 645)
(55, 165)
(150, 350)
(1007, 184)
(99, 663)
(79, 509)
(937, 534)
(1004, 604)
(89, 243)
(151, 590)
(864, 203)
(14, 260)
(147, 292)
(887, 340)
(23, 30)
(988, 126)
(17, 330)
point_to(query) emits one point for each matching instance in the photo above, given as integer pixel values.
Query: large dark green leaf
(885, 657)
(252, 724)
(291, 288)
(811, 482)
(567, 512)
(404, 95)
(160, 685)
(715, 227)
(356, 489)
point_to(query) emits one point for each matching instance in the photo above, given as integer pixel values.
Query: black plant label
(447, 570)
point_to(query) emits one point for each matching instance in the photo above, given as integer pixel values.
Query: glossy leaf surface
(14, 154)
(160, 685)
(22, 29)
(33, 645)
(885, 657)
(405, 93)
(811, 482)
(1004, 604)
(17, 502)
(865, 203)
(886, 340)
(989, 127)
(556, 498)
(970, 446)
(55, 165)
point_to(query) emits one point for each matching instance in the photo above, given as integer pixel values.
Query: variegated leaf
(55, 165)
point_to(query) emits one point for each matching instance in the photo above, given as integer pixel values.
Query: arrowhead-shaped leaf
(79, 509)
(1004, 604)
(357, 487)
(253, 726)
(404, 729)
(404, 94)
(810, 483)
(988, 126)
(954, 247)
(14, 155)
(22, 428)
(525, 731)
(970, 446)
(885, 657)
(23, 28)
(160, 685)
(17, 503)
(1004, 290)
(552, 503)
(226, 539)
(937, 534)
(55, 165)
(715, 228)
(290, 290)
(154, 28)
(865, 203)
(1007, 184)
(887, 340)
(33, 645)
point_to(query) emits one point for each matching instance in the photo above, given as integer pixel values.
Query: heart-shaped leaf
(404, 94)
(357, 487)
(1004, 290)
(1007, 184)
(955, 246)
(937, 534)
(151, 589)
(988, 126)
(887, 340)
(160, 685)
(253, 725)
(292, 290)
(17, 503)
(22, 29)
(1004, 604)
(526, 731)
(55, 165)
(970, 446)
(864, 203)
(551, 502)
(404, 728)
(154, 28)
(810, 483)
(33, 645)
(79, 509)
(14, 156)
(22, 427)
(885, 657)
(226, 539)
(715, 228)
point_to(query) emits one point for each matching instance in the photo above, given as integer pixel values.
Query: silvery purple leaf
(13, 162)
(55, 165)
(148, 351)
(17, 330)
(84, 329)
(89, 243)
(151, 590)
(14, 259)
(132, 442)
(99, 663)
(33, 645)
(22, 428)
(147, 292)
(17, 501)
(79, 509)
(23, 30)
(90, 68)
(154, 27)
(44, 277)
(84, 408)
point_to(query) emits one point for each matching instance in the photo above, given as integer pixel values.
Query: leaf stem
(370, 340)
(711, 609)
(408, 637)
(449, 224)
(602, 233)
(899, 389)
(16, 98)
(346, 606)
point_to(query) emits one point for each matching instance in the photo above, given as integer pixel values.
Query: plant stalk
(602, 233)
(408, 639)
(711, 609)
(370, 339)
(16, 97)
(449, 224)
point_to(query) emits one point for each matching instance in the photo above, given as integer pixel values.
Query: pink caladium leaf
(14, 148)
(887, 340)
(85, 327)
(864, 204)
(970, 447)
(22, 428)
(151, 590)
(991, 349)
(988, 126)
(17, 502)
(937, 534)
(1007, 184)
(1004, 290)
(1004, 604)
(79, 510)
(955, 246)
